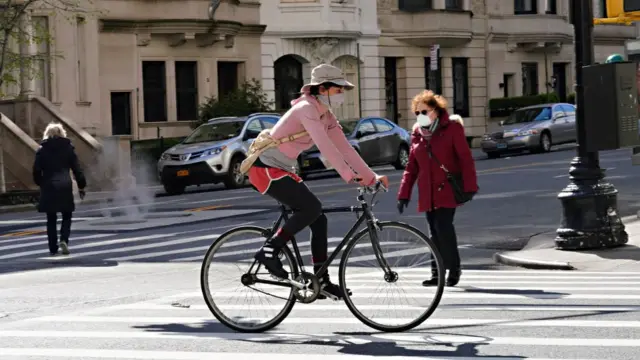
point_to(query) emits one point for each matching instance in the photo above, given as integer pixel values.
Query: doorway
(391, 88)
(560, 84)
(287, 80)
(121, 113)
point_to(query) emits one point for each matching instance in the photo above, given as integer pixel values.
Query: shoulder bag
(456, 182)
(263, 142)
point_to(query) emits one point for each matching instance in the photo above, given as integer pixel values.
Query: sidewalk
(540, 253)
(92, 197)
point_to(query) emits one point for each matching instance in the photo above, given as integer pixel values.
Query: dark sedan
(378, 140)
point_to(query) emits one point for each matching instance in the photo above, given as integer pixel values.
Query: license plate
(183, 173)
(306, 163)
(501, 145)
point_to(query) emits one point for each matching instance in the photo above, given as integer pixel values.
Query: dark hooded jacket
(55, 157)
(449, 145)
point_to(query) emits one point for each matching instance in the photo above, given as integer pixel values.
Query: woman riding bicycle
(272, 173)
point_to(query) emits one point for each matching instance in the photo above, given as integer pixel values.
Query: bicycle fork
(389, 275)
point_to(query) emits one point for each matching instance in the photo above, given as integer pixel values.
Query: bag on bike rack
(263, 142)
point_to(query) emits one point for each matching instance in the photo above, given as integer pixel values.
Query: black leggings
(443, 234)
(307, 212)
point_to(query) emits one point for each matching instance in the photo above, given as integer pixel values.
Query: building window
(187, 90)
(42, 63)
(454, 4)
(460, 73)
(433, 78)
(525, 7)
(552, 7)
(80, 54)
(415, 5)
(603, 8)
(529, 79)
(154, 87)
(227, 77)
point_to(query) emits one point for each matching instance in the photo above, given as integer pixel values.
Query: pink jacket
(326, 133)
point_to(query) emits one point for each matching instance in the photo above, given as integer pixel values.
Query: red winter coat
(449, 146)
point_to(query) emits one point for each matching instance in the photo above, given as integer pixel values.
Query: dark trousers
(444, 236)
(52, 229)
(307, 212)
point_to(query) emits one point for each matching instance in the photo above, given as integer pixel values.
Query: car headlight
(486, 137)
(214, 151)
(527, 132)
(165, 156)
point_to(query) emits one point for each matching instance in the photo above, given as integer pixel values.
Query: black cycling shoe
(268, 257)
(330, 288)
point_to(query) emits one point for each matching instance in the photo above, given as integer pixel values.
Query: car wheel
(234, 178)
(174, 188)
(403, 158)
(545, 142)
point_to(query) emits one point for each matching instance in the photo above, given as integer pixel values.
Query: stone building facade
(485, 49)
(141, 68)
(303, 33)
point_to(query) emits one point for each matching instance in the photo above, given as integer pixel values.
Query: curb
(531, 264)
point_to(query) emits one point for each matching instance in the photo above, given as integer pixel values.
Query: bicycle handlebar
(371, 189)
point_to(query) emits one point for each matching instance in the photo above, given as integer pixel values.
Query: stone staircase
(23, 123)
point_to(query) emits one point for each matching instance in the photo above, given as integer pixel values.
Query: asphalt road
(136, 291)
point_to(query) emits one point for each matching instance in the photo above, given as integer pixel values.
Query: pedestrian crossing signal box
(610, 106)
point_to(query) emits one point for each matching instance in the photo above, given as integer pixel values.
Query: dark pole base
(590, 217)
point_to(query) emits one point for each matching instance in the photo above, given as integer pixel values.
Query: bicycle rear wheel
(241, 244)
(352, 272)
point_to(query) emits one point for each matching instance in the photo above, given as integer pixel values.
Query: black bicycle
(304, 287)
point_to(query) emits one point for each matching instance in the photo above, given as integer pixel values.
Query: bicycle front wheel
(412, 256)
(234, 304)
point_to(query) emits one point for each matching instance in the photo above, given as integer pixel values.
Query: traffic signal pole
(588, 201)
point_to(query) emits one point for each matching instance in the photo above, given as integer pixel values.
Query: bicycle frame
(367, 215)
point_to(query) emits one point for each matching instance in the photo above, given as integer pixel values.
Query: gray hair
(54, 130)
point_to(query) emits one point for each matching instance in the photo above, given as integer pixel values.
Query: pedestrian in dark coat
(54, 159)
(436, 140)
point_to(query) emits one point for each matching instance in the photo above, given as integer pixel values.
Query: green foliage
(571, 98)
(14, 33)
(499, 107)
(247, 99)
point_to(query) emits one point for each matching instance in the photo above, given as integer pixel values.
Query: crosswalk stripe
(464, 295)
(40, 243)
(184, 355)
(341, 306)
(405, 338)
(350, 320)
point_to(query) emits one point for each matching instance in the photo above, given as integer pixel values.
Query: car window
(528, 115)
(215, 132)
(253, 129)
(348, 126)
(269, 121)
(382, 125)
(569, 109)
(366, 127)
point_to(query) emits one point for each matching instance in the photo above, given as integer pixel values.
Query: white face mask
(424, 120)
(333, 100)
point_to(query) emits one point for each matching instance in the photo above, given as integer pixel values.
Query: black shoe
(334, 291)
(433, 281)
(454, 277)
(268, 257)
(65, 248)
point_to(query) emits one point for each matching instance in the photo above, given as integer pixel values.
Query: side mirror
(359, 134)
(501, 122)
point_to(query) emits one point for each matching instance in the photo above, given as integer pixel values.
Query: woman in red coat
(446, 139)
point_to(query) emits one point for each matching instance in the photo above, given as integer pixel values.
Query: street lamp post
(589, 203)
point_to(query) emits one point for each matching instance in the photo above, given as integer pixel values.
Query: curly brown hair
(430, 99)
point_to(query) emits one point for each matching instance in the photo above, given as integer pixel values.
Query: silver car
(212, 153)
(534, 128)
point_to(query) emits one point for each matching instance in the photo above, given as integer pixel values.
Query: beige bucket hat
(327, 73)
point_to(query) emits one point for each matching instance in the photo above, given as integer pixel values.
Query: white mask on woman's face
(424, 120)
(333, 100)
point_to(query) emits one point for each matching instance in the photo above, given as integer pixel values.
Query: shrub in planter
(247, 99)
(499, 107)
